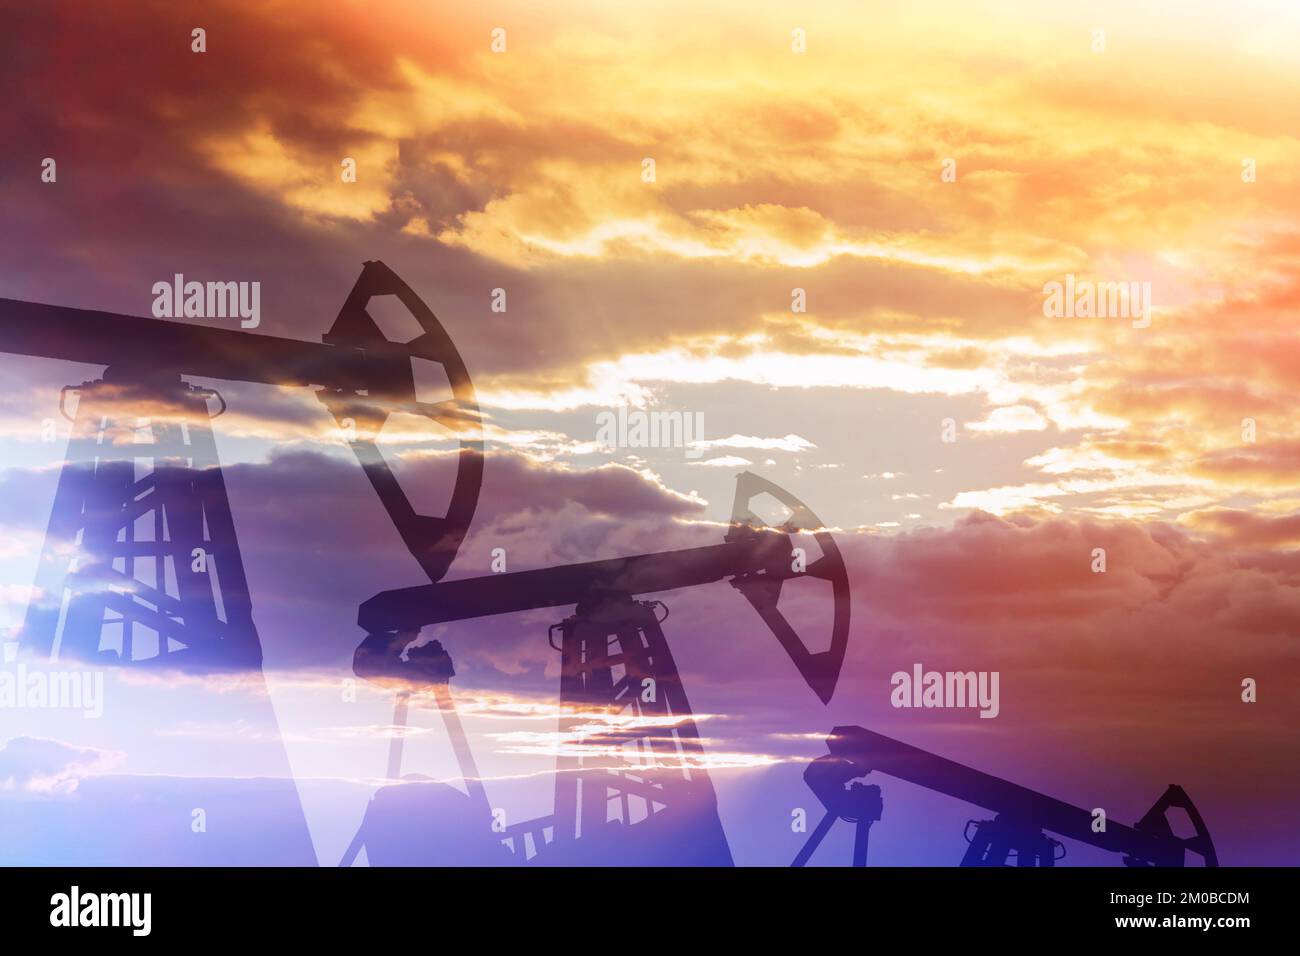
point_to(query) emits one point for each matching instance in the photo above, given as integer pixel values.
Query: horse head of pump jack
(387, 385)
(763, 588)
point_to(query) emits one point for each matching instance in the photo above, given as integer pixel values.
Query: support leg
(814, 839)
(460, 745)
(860, 843)
(401, 702)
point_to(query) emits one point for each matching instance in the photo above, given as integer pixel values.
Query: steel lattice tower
(633, 790)
(140, 563)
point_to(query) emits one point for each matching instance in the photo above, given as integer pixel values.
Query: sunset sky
(1136, 143)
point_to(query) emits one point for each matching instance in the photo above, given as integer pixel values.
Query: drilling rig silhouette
(1023, 817)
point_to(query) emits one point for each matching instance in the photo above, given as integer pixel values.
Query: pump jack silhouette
(641, 796)
(1022, 815)
(141, 567)
(359, 375)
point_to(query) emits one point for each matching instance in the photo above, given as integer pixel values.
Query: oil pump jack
(641, 796)
(1022, 815)
(177, 512)
(141, 567)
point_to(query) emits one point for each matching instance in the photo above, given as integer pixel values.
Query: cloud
(1010, 418)
(43, 766)
(726, 461)
(1247, 529)
(790, 443)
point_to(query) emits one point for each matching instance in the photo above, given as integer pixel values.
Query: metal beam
(110, 339)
